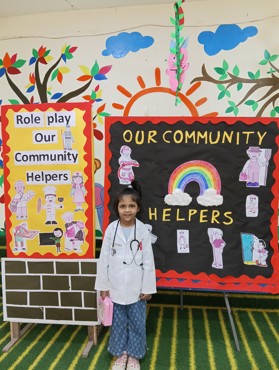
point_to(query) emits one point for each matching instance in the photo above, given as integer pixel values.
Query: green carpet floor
(189, 331)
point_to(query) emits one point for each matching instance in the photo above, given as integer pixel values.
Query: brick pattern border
(49, 291)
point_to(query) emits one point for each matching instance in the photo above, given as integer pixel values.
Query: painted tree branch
(74, 93)
(16, 90)
(38, 81)
(266, 104)
(274, 67)
(46, 78)
(258, 83)
(39, 84)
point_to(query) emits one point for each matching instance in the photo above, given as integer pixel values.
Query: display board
(210, 197)
(49, 202)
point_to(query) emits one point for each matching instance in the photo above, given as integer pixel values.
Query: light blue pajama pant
(128, 330)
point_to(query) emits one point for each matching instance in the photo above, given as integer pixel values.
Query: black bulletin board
(225, 238)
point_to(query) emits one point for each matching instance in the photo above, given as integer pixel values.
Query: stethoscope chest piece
(135, 246)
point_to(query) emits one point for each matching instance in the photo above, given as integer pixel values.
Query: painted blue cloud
(124, 42)
(226, 37)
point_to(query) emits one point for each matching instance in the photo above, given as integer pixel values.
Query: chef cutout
(50, 205)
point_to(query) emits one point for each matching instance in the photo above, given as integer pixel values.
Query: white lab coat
(126, 282)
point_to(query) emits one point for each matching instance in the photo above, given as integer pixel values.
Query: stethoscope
(133, 243)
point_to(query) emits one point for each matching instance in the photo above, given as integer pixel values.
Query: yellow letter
(214, 216)
(139, 137)
(166, 213)
(129, 139)
(203, 217)
(164, 136)
(151, 134)
(152, 214)
(261, 137)
(178, 214)
(227, 214)
(191, 213)
(180, 138)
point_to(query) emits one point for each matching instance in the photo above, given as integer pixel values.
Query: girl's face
(127, 209)
(57, 233)
(77, 180)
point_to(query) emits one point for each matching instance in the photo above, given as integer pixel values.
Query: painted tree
(39, 84)
(229, 83)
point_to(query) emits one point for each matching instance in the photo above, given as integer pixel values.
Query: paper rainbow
(202, 172)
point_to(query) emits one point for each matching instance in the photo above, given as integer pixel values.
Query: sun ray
(193, 88)
(200, 102)
(141, 82)
(124, 91)
(118, 106)
(158, 76)
(211, 114)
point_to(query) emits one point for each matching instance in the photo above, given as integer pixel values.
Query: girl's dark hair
(134, 191)
(58, 229)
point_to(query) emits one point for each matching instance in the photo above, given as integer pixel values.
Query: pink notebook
(105, 311)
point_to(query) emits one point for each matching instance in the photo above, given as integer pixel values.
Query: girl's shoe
(133, 364)
(120, 362)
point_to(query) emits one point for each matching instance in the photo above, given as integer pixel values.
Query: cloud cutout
(210, 198)
(178, 198)
(120, 45)
(226, 37)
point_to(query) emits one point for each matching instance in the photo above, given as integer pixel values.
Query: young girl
(126, 273)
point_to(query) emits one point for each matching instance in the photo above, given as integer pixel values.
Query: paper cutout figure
(255, 169)
(21, 233)
(18, 204)
(125, 171)
(57, 235)
(218, 244)
(68, 138)
(253, 250)
(50, 205)
(74, 234)
(252, 203)
(259, 252)
(78, 190)
(262, 253)
(183, 241)
(172, 65)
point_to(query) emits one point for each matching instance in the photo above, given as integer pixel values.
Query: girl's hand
(145, 297)
(104, 294)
